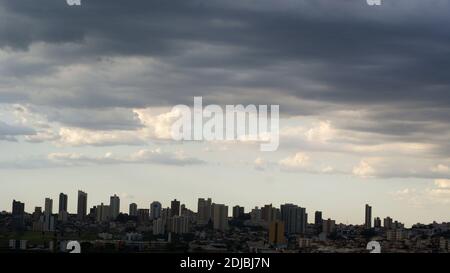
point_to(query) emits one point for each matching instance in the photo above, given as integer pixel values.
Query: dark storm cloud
(340, 54)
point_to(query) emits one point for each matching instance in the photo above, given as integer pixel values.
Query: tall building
(114, 205)
(276, 233)
(48, 206)
(143, 215)
(175, 208)
(318, 219)
(269, 214)
(62, 202)
(266, 213)
(328, 226)
(103, 213)
(256, 215)
(18, 213)
(388, 223)
(368, 220)
(82, 205)
(155, 210)
(159, 226)
(165, 213)
(133, 209)
(180, 225)
(63, 216)
(238, 212)
(377, 222)
(204, 210)
(18, 208)
(295, 218)
(220, 214)
(93, 213)
(398, 225)
(48, 222)
(37, 213)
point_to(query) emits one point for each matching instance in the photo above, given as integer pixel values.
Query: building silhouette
(133, 209)
(62, 202)
(204, 210)
(82, 205)
(220, 217)
(368, 218)
(114, 205)
(48, 208)
(295, 218)
(155, 210)
(175, 208)
(238, 212)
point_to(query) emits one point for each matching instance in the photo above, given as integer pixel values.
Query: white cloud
(438, 194)
(442, 183)
(440, 168)
(260, 164)
(412, 196)
(155, 156)
(365, 169)
(158, 122)
(328, 169)
(78, 137)
(298, 161)
(320, 132)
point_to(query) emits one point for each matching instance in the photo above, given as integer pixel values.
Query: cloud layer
(371, 84)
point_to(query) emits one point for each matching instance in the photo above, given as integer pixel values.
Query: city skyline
(368, 220)
(363, 95)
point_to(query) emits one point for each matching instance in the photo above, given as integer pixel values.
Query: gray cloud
(145, 156)
(10, 132)
(311, 57)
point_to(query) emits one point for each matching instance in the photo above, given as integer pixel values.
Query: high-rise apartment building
(328, 226)
(318, 219)
(133, 209)
(220, 214)
(48, 208)
(103, 213)
(175, 208)
(204, 210)
(238, 212)
(114, 205)
(295, 218)
(368, 218)
(81, 205)
(155, 210)
(62, 203)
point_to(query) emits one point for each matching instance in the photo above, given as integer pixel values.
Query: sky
(86, 94)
